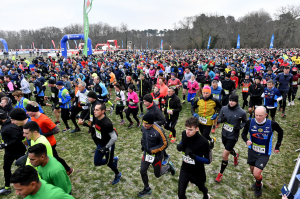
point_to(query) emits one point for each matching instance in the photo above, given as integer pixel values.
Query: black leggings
(119, 111)
(65, 113)
(40, 100)
(282, 102)
(7, 162)
(59, 159)
(158, 169)
(134, 112)
(141, 105)
(272, 112)
(109, 159)
(184, 179)
(74, 112)
(170, 125)
(292, 94)
(205, 131)
(27, 95)
(245, 97)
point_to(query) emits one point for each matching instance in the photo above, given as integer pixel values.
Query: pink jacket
(135, 99)
(174, 82)
(193, 85)
(10, 86)
(152, 73)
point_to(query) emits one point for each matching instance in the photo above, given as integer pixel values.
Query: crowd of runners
(145, 86)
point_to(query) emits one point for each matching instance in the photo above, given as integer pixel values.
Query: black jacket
(159, 117)
(12, 136)
(145, 87)
(8, 108)
(256, 90)
(228, 85)
(173, 103)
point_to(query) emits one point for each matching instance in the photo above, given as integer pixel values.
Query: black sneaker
(254, 185)
(258, 191)
(57, 123)
(75, 130)
(130, 125)
(4, 191)
(146, 191)
(138, 124)
(66, 129)
(171, 168)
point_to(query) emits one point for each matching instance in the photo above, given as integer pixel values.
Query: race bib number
(226, 92)
(59, 100)
(173, 87)
(118, 102)
(216, 96)
(228, 127)
(33, 88)
(259, 148)
(98, 134)
(185, 83)
(53, 95)
(251, 74)
(85, 107)
(245, 89)
(91, 118)
(150, 158)
(155, 101)
(295, 82)
(202, 120)
(188, 160)
(221, 73)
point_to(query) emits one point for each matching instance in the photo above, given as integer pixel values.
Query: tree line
(255, 29)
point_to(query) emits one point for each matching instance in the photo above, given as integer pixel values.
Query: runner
(255, 92)
(105, 136)
(193, 87)
(12, 137)
(145, 88)
(293, 92)
(54, 98)
(28, 185)
(102, 93)
(234, 119)
(49, 168)
(186, 78)
(132, 103)
(153, 143)
(271, 97)
(120, 100)
(260, 144)
(245, 89)
(196, 153)
(218, 93)
(174, 83)
(229, 86)
(38, 91)
(64, 103)
(206, 109)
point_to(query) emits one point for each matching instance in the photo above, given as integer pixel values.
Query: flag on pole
(87, 6)
(147, 44)
(21, 46)
(53, 43)
(272, 41)
(75, 43)
(33, 45)
(68, 44)
(238, 45)
(122, 44)
(42, 46)
(208, 42)
(51, 47)
(161, 44)
(27, 46)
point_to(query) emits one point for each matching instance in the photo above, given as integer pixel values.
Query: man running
(255, 92)
(153, 143)
(260, 144)
(234, 119)
(196, 153)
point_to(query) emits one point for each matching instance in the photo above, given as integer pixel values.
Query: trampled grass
(94, 182)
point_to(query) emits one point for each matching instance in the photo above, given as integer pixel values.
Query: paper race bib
(85, 107)
(188, 160)
(33, 88)
(98, 134)
(149, 158)
(295, 82)
(226, 92)
(185, 83)
(118, 102)
(216, 96)
(202, 120)
(228, 127)
(173, 87)
(251, 74)
(53, 95)
(221, 73)
(91, 118)
(245, 89)
(155, 101)
(59, 100)
(259, 148)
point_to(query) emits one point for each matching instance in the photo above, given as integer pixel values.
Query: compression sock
(223, 166)
(183, 97)
(258, 182)
(233, 153)
(109, 103)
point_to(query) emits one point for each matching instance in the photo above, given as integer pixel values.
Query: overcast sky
(137, 14)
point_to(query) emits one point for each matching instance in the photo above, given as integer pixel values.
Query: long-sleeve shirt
(134, 99)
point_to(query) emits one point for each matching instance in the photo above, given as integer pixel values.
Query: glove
(142, 149)
(214, 116)
(148, 151)
(180, 147)
(2, 146)
(190, 153)
(103, 150)
(131, 100)
(196, 115)
(193, 89)
(274, 100)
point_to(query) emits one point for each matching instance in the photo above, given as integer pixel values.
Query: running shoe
(213, 130)
(166, 160)
(173, 140)
(172, 168)
(170, 135)
(70, 172)
(217, 126)
(122, 122)
(117, 179)
(183, 102)
(254, 185)
(4, 191)
(66, 129)
(283, 114)
(138, 125)
(289, 104)
(235, 161)
(146, 191)
(75, 130)
(141, 115)
(57, 123)
(219, 177)
(130, 125)
(258, 191)
(293, 103)
(212, 142)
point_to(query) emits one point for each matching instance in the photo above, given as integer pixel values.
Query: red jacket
(236, 80)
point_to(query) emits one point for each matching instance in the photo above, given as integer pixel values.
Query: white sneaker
(289, 104)
(292, 103)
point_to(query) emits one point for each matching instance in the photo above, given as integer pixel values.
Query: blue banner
(238, 44)
(272, 41)
(161, 44)
(208, 42)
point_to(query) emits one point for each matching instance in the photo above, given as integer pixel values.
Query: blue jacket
(271, 96)
(217, 93)
(285, 81)
(267, 77)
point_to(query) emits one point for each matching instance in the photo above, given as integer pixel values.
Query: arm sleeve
(113, 139)
(218, 105)
(38, 84)
(194, 107)
(104, 90)
(55, 130)
(278, 129)
(244, 120)
(10, 86)
(207, 156)
(163, 143)
(245, 131)
(220, 116)
(67, 96)
(160, 119)
(58, 179)
(178, 108)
